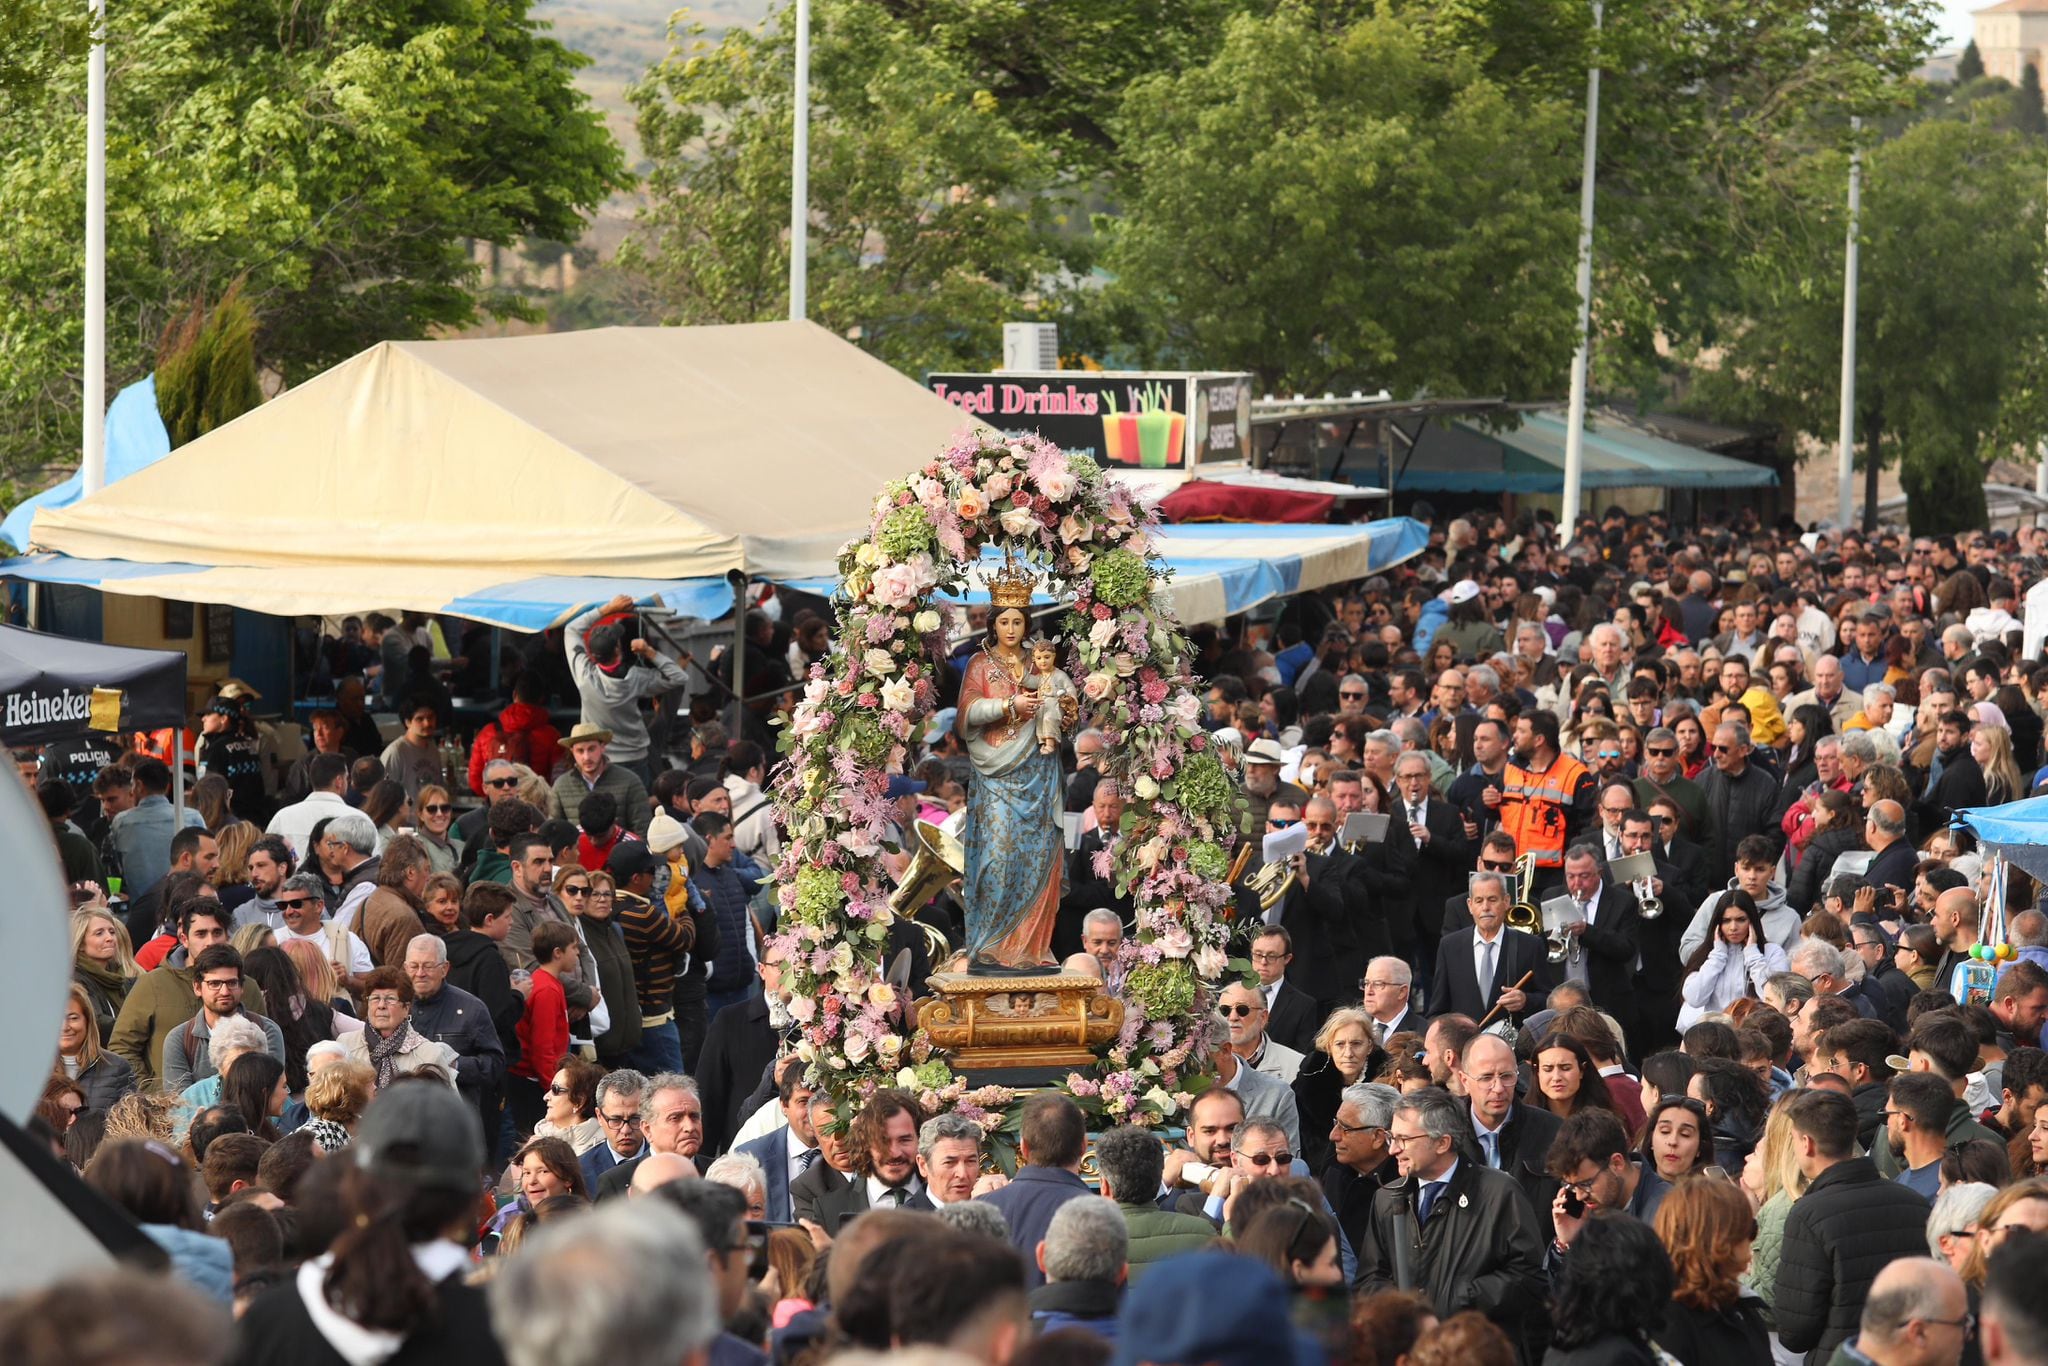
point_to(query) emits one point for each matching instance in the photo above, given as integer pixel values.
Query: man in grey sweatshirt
(611, 688)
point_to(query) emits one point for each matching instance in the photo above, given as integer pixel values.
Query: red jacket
(523, 734)
(543, 1030)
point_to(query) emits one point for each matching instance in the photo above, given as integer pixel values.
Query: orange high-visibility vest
(1536, 807)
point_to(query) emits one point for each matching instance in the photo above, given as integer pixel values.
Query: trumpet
(1559, 912)
(1524, 915)
(1647, 904)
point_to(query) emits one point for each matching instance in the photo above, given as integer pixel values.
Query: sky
(1956, 24)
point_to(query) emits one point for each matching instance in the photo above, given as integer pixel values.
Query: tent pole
(178, 777)
(738, 580)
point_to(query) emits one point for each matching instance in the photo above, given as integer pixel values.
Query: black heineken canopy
(46, 685)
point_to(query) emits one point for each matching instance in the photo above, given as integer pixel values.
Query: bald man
(1954, 922)
(658, 1170)
(1893, 857)
(1512, 1137)
(1917, 1314)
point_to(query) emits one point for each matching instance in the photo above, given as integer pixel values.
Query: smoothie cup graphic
(1127, 429)
(1159, 428)
(1113, 436)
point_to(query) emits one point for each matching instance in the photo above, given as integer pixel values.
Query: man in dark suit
(882, 1141)
(672, 1118)
(1658, 982)
(792, 1149)
(1496, 855)
(1326, 910)
(1512, 1137)
(1686, 858)
(1443, 856)
(738, 1047)
(1085, 891)
(1478, 968)
(1052, 1139)
(1291, 1017)
(1601, 935)
(618, 1112)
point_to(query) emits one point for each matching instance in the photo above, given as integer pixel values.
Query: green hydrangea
(1166, 991)
(933, 1076)
(1084, 469)
(818, 896)
(1203, 788)
(905, 532)
(1209, 861)
(1122, 578)
(865, 736)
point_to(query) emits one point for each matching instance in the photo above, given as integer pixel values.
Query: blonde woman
(232, 876)
(336, 1097)
(2022, 1206)
(1991, 747)
(1772, 1180)
(103, 963)
(250, 938)
(1342, 1054)
(102, 1076)
(317, 972)
(434, 820)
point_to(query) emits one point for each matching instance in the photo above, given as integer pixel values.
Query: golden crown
(1012, 585)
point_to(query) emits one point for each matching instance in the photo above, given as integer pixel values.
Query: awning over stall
(1465, 457)
(47, 684)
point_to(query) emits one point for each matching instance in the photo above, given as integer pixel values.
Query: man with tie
(1443, 856)
(792, 1148)
(1478, 968)
(1657, 982)
(1617, 795)
(883, 1143)
(1327, 911)
(1387, 985)
(618, 1115)
(1513, 1137)
(1460, 1233)
(1601, 945)
(1291, 1016)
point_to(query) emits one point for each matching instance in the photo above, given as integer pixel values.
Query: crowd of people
(387, 1079)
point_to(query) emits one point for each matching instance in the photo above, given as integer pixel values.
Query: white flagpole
(800, 177)
(1575, 429)
(1845, 452)
(93, 457)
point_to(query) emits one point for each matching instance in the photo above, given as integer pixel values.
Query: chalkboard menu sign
(177, 620)
(220, 634)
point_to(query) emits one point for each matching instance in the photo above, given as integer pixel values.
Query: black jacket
(457, 1018)
(614, 970)
(1850, 1225)
(1337, 927)
(1609, 1349)
(1802, 891)
(1735, 1336)
(1524, 1154)
(1456, 986)
(1690, 861)
(1441, 865)
(738, 1046)
(1737, 807)
(1961, 784)
(476, 966)
(1482, 1248)
(278, 1328)
(1293, 1019)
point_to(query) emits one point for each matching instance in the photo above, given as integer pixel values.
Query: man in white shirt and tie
(1290, 1015)
(1616, 799)
(1387, 985)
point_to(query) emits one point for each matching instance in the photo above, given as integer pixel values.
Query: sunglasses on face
(501, 782)
(578, 889)
(1497, 865)
(1237, 1009)
(437, 808)
(295, 902)
(1352, 696)
(558, 1090)
(1264, 1160)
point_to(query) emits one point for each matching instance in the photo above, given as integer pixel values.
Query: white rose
(802, 1009)
(868, 553)
(926, 621)
(1098, 685)
(1146, 787)
(879, 662)
(856, 1045)
(1019, 522)
(998, 487)
(1176, 942)
(1102, 633)
(897, 694)
(1211, 963)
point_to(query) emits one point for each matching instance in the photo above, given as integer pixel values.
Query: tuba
(1524, 915)
(938, 859)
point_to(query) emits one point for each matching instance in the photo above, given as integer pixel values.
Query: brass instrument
(1524, 915)
(1647, 905)
(1559, 912)
(938, 859)
(1271, 883)
(1639, 871)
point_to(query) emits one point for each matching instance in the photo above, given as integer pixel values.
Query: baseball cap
(900, 786)
(629, 859)
(1464, 590)
(420, 1133)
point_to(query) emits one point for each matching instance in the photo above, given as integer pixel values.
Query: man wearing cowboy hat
(1262, 760)
(593, 771)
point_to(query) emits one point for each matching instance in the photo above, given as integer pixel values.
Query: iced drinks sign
(1141, 421)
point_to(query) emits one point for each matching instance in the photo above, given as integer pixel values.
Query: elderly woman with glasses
(388, 1042)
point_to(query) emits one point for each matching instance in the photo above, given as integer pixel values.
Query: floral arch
(1091, 540)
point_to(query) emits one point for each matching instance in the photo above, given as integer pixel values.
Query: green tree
(1336, 208)
(1969, 66)
(930, 218)
(1951, 313)
(339, 156)
(206, 367)
(2033, 116)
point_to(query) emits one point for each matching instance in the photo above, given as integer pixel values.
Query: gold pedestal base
(1001, 1022)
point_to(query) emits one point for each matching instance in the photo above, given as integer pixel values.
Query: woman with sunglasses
(435, 810)
(571, 1101)
(1736, 961)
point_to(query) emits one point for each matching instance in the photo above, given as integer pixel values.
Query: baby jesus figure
(1056, 695)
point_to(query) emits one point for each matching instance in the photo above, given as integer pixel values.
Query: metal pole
(738, 581)
(1575, 427)
(800, 177)
(1845, 452)
(93, 457)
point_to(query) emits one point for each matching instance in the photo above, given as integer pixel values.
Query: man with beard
(1658, 979)
(1547, 802)
(1956, 781)
(882, 1142)
(1262, 785)
(740, 1048)
(1476, 793)
(1325, 912)
(269, 863)
(2020, 1002)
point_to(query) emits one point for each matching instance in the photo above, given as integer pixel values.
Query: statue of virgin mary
(1011, 886)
